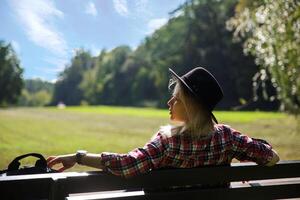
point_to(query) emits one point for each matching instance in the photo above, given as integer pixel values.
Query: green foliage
(109, 81)
(272, 32)
(36, 85)
(67, 88)
(36, 93)
(40, 98)
(11, 82)
(195, 35)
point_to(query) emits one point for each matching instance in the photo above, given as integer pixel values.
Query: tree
(36, 93)
(36, 85)
(108, 81)
(197, 36)
(67, 88)
(40, 98)
(11, 82)
(272, 34)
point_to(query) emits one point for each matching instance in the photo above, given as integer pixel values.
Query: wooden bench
(281, 181)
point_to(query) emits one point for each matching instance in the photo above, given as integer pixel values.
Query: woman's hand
(274, 160)
(67, 161)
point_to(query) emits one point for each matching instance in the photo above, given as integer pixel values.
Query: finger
(61, 169)
(50, 158)
(53, 162)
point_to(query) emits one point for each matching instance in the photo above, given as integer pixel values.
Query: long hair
(199, 123)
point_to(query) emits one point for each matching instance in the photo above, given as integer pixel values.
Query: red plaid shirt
(181, 151)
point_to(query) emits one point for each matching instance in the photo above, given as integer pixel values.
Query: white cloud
(37, 19)
(91, 9)
(155, 24)
(121, 7)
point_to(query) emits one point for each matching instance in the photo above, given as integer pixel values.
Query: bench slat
(98, 181)
(262, 192)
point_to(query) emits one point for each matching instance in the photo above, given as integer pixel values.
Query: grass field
(53, 131)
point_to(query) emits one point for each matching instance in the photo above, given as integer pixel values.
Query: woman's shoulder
(172, 131)
(163, 133)
(169, 131)
(223, 129)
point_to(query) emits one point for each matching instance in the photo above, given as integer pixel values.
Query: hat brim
(186, 85)
(182, 81)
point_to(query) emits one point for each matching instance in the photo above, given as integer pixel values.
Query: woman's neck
(202, 131)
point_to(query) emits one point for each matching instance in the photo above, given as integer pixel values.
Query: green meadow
(52, 131)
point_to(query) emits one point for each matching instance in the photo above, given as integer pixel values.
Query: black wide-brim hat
(203, 86)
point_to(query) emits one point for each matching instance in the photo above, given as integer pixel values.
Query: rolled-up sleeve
(137, 161)
(250, 149)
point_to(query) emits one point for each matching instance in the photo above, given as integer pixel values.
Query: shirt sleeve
(137, 161)
(251, 149)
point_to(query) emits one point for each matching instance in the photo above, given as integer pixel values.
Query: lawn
(52, 131)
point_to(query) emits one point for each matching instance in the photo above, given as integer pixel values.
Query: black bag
(40, 166)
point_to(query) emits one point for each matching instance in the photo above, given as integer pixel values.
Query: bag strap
(15, 164)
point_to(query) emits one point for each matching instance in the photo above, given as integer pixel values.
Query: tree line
(198, 33)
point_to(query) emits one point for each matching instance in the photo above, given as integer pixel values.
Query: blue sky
(45, 33)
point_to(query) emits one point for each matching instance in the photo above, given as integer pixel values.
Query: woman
(196, 140)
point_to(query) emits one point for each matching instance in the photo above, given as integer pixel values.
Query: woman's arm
(135, 162)
(252, 149)
(69, 160)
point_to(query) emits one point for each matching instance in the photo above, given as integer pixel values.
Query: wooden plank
(262, 192)
(35, 186)
(28, 189)
(97, 181)
(280, 181)
(107, 195)
(53, 176)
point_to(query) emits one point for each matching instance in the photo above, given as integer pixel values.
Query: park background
(116, 100)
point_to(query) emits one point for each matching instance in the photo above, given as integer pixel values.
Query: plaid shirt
(181, 151)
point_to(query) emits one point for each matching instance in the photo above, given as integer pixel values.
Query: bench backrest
(59, 186)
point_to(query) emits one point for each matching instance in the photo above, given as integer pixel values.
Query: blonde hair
(199, 123)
